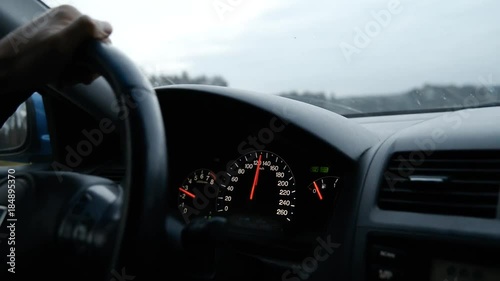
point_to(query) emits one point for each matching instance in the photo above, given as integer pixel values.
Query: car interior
(204, 182)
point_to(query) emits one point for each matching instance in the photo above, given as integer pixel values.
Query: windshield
(351, 57)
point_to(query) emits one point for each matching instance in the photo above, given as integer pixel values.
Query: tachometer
(260, 184)
(195, 194)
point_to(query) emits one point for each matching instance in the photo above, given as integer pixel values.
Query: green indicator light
(315, 169)
(324, 170)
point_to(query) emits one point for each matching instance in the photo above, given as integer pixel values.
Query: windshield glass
(352, 57)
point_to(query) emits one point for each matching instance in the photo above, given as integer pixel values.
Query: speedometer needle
(317, 190)
(187, 192)
(256, 177)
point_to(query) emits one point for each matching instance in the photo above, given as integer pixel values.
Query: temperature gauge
(324, 188)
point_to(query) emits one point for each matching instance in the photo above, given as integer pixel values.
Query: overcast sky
(349, 47)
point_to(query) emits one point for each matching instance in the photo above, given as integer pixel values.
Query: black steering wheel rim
(140, 240)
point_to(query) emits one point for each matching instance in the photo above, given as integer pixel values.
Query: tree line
(424, 98)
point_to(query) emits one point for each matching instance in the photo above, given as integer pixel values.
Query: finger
(82, 29)
(66, 12)
(104, 29)
(87, 27)
(95, 28)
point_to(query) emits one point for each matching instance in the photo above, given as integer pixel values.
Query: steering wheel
(90, 225)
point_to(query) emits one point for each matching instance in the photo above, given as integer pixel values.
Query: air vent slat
(434, 204)
(443, 170)
(463, 183)
(436, 208)
(410, 192)
(459, 161)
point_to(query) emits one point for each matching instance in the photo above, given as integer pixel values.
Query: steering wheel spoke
(64, 217)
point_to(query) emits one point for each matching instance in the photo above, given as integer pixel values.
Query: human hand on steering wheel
(43, 51)
(120, 238)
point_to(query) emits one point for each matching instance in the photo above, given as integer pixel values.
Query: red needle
(256, 177)
(187, 192)
(317, 190)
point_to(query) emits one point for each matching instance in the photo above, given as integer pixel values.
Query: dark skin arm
(43, 52)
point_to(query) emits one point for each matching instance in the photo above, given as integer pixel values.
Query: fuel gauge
(324, 188)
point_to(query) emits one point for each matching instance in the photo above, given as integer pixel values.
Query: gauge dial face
(195, 194)
(260, 184)
(323, 188)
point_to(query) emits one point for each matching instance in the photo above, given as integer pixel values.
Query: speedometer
(260, 184)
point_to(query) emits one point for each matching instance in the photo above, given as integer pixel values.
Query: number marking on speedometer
(260, 184)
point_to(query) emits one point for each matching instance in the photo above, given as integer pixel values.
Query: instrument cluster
(255, 168)
(261, 190)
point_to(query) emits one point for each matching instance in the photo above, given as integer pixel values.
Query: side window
(24, 137)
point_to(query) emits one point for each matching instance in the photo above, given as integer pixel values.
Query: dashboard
(265, 175)
(290, 176)
(280, 172)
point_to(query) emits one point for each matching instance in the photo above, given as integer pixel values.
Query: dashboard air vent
(462, 183)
